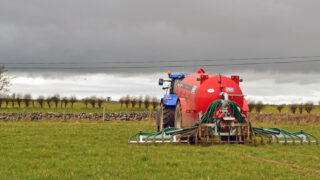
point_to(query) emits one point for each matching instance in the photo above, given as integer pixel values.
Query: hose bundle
(211, 114)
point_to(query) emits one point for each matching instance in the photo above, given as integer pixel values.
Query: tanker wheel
(165, 117)
(178, 116)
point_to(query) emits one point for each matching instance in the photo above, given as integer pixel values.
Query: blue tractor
(166, 111)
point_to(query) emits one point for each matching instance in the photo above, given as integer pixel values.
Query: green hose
(212, 110)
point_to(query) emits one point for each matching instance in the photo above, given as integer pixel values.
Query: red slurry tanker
(192, 94)
(206, 108)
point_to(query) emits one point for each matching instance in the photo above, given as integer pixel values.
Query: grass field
(93, 150)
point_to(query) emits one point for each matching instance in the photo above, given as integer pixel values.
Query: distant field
(93, 150)
(116, 107)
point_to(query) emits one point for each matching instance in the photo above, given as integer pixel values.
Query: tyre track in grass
(281, 163)
(291, 153)
(296, 154)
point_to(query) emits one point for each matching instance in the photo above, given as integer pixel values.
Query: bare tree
(48, 100)
(7, 100)
(308, 107)
(127, 101)
(100, 101)
(72, 100)
(300, 108)
(86, 101)
(2, 99)
(12, 99)
(259, 106)
(140, 101)
(251, 105)
(146, 102)
(92, 101)
(133, 102)
(4, 80)
(108, 99)
(280, 107)
(19, 99)
(155, 102)
(27, 99)
(41, 100)
(293, 108)
(55, 99)
(64, 101)
(121, 100)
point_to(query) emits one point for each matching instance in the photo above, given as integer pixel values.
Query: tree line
(56, 101)
(294, 108)
(138, 101)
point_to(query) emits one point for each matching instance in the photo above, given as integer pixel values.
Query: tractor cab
(174, 80)
(170, 97)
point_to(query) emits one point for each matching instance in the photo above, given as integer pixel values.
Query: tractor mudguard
(170, 100)
(183, 106)
(187, 117)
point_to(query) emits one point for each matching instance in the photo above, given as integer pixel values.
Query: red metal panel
(196, 97)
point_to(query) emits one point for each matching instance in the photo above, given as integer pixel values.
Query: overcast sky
(90, 47)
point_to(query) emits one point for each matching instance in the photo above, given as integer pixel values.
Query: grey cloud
(102, 31)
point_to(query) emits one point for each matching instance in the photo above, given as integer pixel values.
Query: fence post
(64, 114)
(23, 114)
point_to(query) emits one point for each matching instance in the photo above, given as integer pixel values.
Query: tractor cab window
(174, 84)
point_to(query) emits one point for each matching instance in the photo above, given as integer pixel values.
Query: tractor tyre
(167, 117)
(178, 116)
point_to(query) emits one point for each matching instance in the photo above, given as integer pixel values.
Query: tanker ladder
(277, 135)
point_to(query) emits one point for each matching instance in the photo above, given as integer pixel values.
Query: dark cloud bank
(88, 35)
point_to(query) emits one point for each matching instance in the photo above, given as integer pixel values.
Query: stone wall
(136, 116)
(284, 117)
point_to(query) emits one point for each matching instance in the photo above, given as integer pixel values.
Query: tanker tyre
(167, 117)
(178, 116)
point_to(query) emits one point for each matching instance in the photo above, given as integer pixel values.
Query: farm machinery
(205, 108)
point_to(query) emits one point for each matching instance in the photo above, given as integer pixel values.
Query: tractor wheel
(178, 117)
(166, 117)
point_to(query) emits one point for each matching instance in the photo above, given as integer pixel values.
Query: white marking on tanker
(230, 89)
(194, 89)
(210, 90)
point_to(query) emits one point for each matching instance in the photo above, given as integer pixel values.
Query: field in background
(93, 150)
(80, 107)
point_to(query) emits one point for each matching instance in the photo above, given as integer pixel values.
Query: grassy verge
(93, 150)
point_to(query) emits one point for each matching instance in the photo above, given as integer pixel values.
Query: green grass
(78, 107)
(93, 150)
